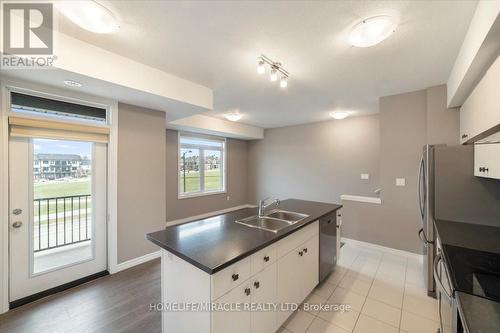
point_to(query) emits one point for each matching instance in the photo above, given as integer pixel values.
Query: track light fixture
(275, 70)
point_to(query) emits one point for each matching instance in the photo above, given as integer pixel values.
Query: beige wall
(236, 166)
(403, 134)
(443, 124)
(141, 179)
(318, 161)
(322, 161)
(407, 122)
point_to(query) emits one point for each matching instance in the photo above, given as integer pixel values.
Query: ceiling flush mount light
(372, 31)
(233, 116)
(276, 69)
(89, 15)
(339, 115)
(72, 83)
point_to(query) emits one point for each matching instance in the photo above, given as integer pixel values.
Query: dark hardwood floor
(114, 303)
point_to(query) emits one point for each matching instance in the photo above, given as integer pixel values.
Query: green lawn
(53, 189)
(212, 181)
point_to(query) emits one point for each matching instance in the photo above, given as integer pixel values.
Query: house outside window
(202, 169)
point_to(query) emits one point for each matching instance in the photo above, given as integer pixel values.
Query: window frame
(202, 192)
(62, 98)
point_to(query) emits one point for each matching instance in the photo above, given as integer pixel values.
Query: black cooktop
(474, 272)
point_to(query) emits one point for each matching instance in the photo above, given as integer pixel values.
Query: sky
(46, 146)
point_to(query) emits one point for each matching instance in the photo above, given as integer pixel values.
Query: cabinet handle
(247, 291)
(266, 258)
(305, 250)
(256, 284)
(301, 253)
(235, 277)
(486, 169)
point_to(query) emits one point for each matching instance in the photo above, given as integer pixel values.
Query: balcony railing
(61, 221)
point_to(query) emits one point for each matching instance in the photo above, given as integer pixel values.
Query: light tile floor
(386, 292)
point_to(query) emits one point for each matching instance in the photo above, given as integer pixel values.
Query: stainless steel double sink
(273, 221)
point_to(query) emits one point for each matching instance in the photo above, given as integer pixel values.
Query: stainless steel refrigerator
(448, 190)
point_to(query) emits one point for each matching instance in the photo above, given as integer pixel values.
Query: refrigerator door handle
(419, 182)
(423, 237)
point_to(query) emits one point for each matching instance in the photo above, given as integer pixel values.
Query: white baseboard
(384, 248)
(136, 261)
(205, 215)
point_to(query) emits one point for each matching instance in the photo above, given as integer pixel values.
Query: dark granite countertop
(479, 314)
(471, 236)
(214, 243)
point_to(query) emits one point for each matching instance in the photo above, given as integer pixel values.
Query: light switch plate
(365, 176)
(400, 181)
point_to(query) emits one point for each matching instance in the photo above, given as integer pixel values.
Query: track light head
(261, 67)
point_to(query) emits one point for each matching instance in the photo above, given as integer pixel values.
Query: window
(36, 106)
(201, 165)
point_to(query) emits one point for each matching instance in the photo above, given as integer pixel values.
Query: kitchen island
(217, 275)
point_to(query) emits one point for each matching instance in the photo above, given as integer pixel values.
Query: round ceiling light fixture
(372, 31)
(233, 115)
(339, 115)
(72, 83)
(89, 15)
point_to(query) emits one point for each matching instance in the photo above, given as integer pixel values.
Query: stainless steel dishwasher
(329, 240)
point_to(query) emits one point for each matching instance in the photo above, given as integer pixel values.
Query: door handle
(437, 259)
(423, 237)
(420, 178)
(17, 224)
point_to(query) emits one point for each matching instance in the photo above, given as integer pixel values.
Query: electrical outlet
(365, 176)
(400, 181)
(228, 198)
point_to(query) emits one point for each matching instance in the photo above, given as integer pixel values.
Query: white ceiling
(216, 44)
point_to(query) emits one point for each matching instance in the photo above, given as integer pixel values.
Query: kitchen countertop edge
(211, 271)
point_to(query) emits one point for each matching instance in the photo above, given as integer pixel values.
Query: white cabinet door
(487, 160)
(467, 121)
(309, 266)
(264, 292)
(488, 99)
(288, 283)
(233, 321)
(481, 111)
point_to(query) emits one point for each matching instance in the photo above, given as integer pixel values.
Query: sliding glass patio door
(57, 213)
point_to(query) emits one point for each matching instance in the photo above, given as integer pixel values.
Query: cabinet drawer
(290, 242)
(262, 259)
(230, 277)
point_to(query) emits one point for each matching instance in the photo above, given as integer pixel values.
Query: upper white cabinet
(487, 160)
(481, 111)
